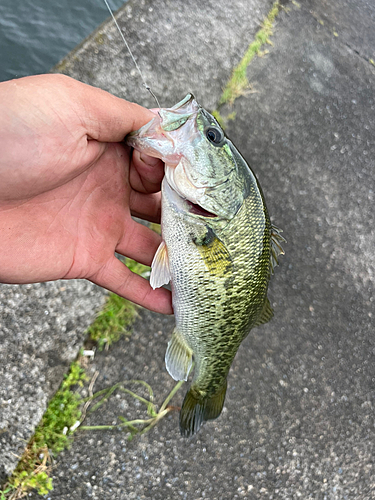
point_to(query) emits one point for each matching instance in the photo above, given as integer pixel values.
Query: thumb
(108, 118)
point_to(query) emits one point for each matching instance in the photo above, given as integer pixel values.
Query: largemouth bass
(218, 251)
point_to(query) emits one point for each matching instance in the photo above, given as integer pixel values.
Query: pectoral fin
(160, 272)
(179, 357)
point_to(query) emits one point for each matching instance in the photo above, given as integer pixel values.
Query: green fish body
(218, 251)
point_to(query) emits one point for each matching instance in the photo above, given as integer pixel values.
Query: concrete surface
(180, 47)
(41, 331)
(298, 420)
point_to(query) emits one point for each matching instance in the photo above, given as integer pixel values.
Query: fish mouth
(187, 195)
(198, 210)
(182, 203)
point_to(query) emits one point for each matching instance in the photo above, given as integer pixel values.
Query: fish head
(201, 165)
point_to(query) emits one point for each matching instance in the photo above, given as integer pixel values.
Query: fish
(218, 251)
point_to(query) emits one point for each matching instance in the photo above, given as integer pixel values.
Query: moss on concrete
(113, 321)
(238, 82)
(51, 436)
(117, 315)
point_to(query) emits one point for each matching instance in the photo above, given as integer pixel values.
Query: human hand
(68, 188)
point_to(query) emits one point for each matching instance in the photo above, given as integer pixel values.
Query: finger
(108, 118)
(94, 150)
(146, 206)
(146, 173)
(117, 278)
(139, 243)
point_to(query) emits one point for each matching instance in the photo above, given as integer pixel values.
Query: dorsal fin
(266, 313)
(276, 248)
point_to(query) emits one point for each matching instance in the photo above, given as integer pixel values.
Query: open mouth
(186, 190)
(198, 210)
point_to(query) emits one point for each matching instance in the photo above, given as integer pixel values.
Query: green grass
(221, 120)
(238, 82)
(55, 431)
(62, 412)
(136, 426)
(136, 267)
(118, 314)
(113, 321)
(51, 436)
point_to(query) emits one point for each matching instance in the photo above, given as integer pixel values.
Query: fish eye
(214, 135)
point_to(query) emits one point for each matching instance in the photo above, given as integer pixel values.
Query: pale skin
(68, 188)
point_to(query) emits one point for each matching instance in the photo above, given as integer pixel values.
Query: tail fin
(197, 409)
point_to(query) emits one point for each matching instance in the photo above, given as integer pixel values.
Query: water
(36, 34)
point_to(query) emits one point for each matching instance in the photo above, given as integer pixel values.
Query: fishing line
(147, 87)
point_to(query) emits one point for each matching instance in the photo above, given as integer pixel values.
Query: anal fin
(179, 357)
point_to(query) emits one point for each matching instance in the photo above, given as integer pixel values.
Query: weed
(4, 493)
(62, 413)
(137, 426)
(155, 227)
(221, 121)
(51, 436)
(118, 314)
(238, 82)
(113, 321)
(136, 267)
